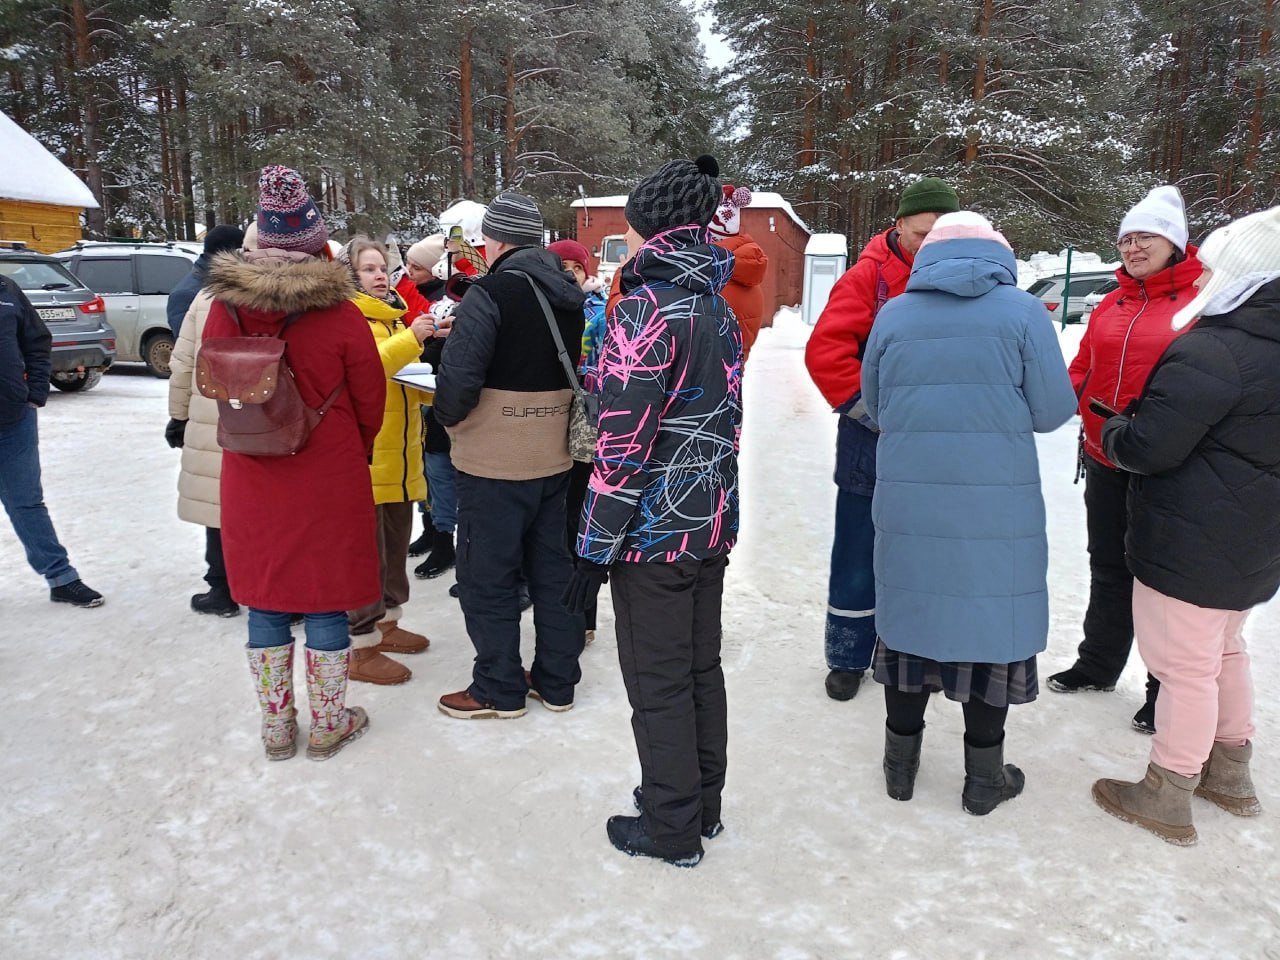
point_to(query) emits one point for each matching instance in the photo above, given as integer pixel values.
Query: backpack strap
(882, 289)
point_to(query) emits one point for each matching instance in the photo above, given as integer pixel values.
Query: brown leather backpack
(260, 411)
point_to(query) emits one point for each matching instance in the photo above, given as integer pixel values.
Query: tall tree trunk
(166, 165)
(983, 31)
(186, 179)
(808, 139)
(83, 52)
(467, 117)
(1252, 151)
(511, 139)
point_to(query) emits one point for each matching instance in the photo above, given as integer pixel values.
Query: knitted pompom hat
(727, 221)
(288, 218)
(681, 192)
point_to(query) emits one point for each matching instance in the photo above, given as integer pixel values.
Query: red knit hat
(573, 250)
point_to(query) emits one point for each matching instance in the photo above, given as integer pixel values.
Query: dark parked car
(135, 279)
(83, 342)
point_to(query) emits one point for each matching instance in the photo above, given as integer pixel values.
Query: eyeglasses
(1139, 241)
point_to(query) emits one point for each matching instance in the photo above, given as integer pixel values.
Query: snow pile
(30, 172)
(1044, 264)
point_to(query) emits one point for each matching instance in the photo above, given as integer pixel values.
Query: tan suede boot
(395, 639)
(272, 669)
(1160, 802)
(333, 723)
(1225, 780)
(371, 665)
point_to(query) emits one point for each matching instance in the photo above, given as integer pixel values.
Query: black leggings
(983, 723)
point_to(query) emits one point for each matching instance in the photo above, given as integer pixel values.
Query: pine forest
(1050, 118)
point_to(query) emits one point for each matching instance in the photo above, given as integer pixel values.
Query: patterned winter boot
(333, 723)
(272, 669)
(1226, 781)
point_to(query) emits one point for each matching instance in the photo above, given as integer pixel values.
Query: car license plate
(56, 313)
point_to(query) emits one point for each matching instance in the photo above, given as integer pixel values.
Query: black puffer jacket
(1204, 512)
(24, 354)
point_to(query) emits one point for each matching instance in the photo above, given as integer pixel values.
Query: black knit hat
(513, 218)
(681, 192)
(223, 237)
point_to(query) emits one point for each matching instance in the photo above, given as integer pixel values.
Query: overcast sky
(718, 52)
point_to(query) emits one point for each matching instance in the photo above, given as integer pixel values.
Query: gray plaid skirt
(996, 684)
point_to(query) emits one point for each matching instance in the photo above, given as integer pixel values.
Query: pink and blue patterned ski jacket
(664, 486)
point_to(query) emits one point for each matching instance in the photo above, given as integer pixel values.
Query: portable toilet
(825, 257)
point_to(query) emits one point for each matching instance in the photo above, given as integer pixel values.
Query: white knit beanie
(1160, 212)
(427, 252)
(1244, 255)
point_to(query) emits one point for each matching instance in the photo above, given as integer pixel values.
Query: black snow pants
(668, 625)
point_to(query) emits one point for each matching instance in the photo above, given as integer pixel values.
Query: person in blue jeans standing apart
(25, 368)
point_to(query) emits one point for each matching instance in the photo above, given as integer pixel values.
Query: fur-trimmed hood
(278, 281)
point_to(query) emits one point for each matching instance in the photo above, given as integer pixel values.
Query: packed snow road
(141, 821)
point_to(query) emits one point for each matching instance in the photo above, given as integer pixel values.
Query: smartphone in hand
(1101, 409)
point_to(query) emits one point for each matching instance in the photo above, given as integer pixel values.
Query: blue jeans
(23, 500)
(325, 631)
(442, 487)
(851, 591)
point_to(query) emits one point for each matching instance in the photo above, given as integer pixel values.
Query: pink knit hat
(965, 225)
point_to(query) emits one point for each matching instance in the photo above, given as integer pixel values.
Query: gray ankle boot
(901, 762)
(1225, 780)
(988, 780)
(1160, 802)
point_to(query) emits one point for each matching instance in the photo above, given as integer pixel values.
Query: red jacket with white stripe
(1127, 335)
(834, 352)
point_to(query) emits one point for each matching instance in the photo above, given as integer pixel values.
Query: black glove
(174, 433)
(584, 585)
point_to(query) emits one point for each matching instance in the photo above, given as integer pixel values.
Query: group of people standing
(323, 536)
(942, 371)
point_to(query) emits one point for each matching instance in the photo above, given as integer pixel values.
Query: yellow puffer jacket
(397, 452)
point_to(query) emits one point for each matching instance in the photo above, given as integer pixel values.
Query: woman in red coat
(1127, 334)
(298, 531)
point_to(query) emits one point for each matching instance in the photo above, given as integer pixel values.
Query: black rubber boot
(901, 763)
(440, 559)
(843, 684)
(629, 836)
(988, 780)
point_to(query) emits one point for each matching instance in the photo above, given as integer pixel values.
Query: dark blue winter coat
(960, 372)
(184, 293)
(25, 364)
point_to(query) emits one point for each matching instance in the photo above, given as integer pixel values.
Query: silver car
(83, 342)
(134, 280)
(1050, 290)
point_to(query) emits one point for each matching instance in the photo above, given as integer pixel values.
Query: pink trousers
(1206, 690)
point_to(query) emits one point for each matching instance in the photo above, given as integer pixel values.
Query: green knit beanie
(928, 195)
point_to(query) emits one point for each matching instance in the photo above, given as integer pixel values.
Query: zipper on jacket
(404, 477)
(1115, 401)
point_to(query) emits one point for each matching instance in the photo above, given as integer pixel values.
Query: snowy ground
(141, 821)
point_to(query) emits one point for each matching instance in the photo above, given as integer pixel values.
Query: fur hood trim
(278, 282)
